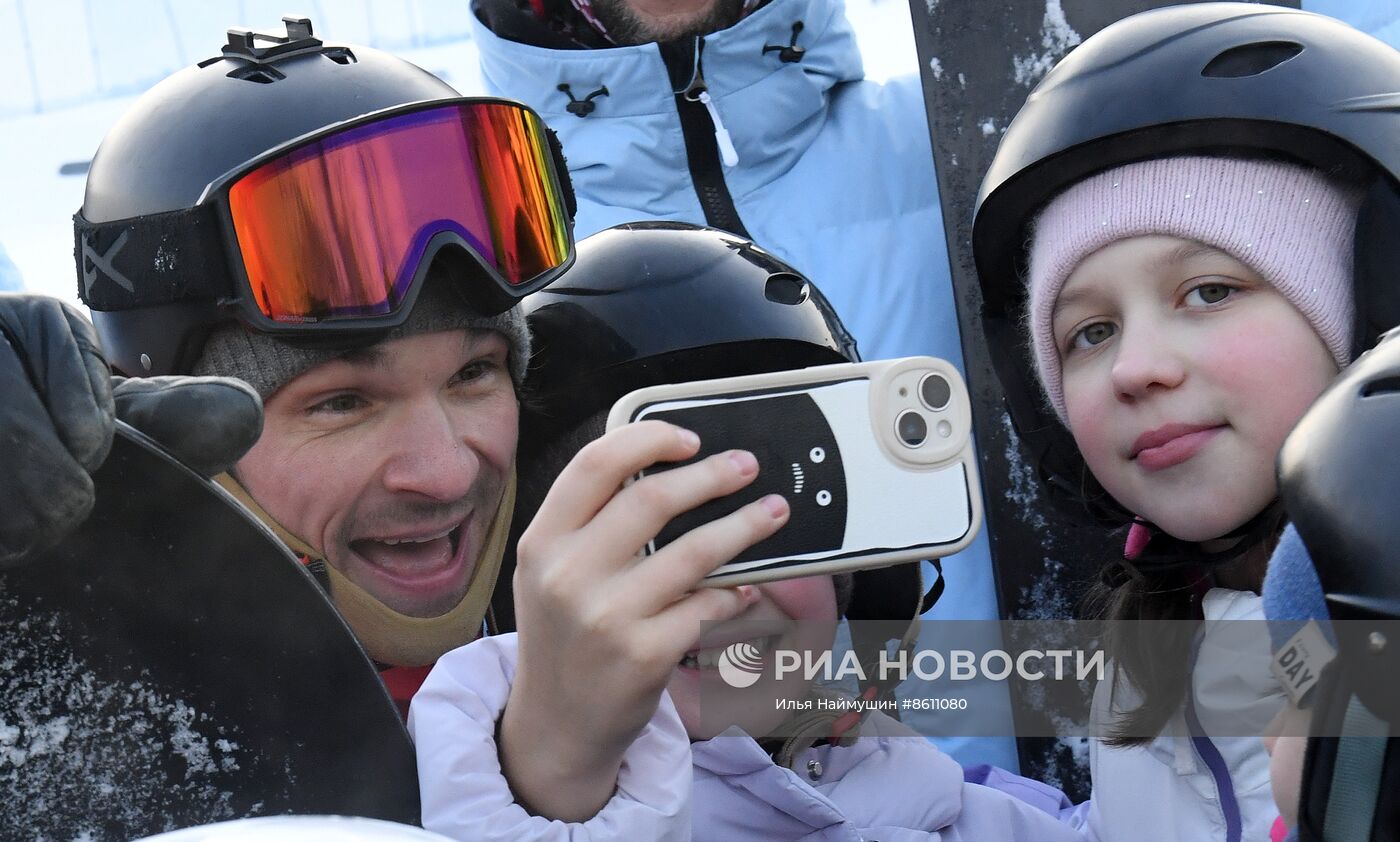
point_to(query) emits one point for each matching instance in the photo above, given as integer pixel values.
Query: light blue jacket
(834, 175)
(1380, 18)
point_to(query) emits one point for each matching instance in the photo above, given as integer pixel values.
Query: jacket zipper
(708, 147)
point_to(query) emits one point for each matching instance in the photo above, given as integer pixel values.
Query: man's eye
(340, 403)
(1209, 294)
(1091, 335)
(475, 370)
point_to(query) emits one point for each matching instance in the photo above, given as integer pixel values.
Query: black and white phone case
(874, 459)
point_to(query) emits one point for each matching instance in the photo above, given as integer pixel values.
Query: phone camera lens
(936, 391)
(911, 428)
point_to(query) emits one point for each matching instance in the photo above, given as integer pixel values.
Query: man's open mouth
(412, 555)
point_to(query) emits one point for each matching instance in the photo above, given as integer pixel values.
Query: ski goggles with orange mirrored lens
(335, 231)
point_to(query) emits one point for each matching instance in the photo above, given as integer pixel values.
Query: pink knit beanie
(1289, 223)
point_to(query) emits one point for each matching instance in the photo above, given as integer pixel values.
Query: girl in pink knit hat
(1172, 222)
(1184, 313)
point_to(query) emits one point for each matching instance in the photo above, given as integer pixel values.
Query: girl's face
(1183, 372)
(791, 615)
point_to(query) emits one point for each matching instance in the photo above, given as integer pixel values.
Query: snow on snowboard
(171, 664)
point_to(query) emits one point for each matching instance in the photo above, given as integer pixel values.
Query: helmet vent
(785, 288)
(261, 74)
(1251, 59)
(1383, 386)
(340, 55)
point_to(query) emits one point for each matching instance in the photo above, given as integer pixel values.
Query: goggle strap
(149, 260)
(561, 169)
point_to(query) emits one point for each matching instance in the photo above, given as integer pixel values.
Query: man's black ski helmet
(206, 120)
(649, 303)
(1339, 477)
(1234, 78)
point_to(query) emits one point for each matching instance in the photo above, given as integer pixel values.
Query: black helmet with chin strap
(1207, 78)
(1339, 475)
(649, 303)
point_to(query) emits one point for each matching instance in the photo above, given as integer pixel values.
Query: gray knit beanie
(269, 364)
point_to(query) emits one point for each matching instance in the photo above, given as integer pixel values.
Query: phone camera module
(935, 391)
(911, 428)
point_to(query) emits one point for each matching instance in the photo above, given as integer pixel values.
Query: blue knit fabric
(1292, 592)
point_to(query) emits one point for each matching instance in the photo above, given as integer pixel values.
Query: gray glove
(58, 403)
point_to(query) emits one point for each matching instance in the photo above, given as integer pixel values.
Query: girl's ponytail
(1153, 659)
(1163, 584)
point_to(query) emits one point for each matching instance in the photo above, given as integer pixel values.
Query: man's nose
(430, 456)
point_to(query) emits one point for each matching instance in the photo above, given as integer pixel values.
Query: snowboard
(172, 664)
(978, 63)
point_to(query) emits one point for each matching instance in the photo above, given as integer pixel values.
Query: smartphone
(875, 460)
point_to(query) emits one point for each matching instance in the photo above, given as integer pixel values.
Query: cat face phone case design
(874, 459)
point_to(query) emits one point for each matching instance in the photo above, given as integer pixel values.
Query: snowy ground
(72, 66)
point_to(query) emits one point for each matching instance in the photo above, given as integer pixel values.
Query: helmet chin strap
(388, 636)
(1163, 553)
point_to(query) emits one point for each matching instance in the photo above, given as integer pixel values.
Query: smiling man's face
(391, 461)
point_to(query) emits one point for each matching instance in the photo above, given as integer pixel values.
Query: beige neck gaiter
(388, 636)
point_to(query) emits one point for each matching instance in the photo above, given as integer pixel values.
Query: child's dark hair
(1163, 587)
(1155, 665)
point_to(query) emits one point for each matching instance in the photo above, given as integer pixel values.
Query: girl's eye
(1091, 335)
(1209, 294)
(346, 402)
